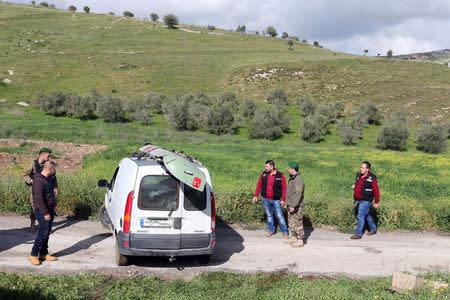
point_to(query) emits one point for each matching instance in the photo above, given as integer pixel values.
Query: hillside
(49, 49)
(45, 50)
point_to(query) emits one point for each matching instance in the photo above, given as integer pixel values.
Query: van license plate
(156, 223)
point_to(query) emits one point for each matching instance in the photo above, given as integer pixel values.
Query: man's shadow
(228, 242)
(82, 245)
(11, 238)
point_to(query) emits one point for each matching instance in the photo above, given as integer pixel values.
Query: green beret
(46, 150)
(293, 165)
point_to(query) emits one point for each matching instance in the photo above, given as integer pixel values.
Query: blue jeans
(363, 216)
(40, 246)
(270, 206)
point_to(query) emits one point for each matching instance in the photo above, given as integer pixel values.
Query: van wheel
(104, 217)
(205, 259)
(121, 260)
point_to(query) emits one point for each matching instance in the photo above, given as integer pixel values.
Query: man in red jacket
(365, 190)
(272, 186)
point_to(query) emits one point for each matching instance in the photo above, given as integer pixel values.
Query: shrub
(143, 115)
(316, 44)
(339, 108)
(111, 108)
(171, 21)
(271, 31)
(263, 125)
(86, 9)
(394, 133)
(81, 107)
(153, 102)
(431, 137)
(175, 112)
(211, 27)
(389, 53)
(307, 105)
(268, 123)
(278, 97)
(54, 104)
(45, 4)
(349, 131)
(228, 98)
(198, 116)
(33, 2)
(128, 14)
(328, 112)
(154, 17)
(311, 130)
(285, 35)
(369, 113)
(220, 119)
(248, 108)
(241, 29)
(72, 8)
(111, 13)
(52, 5)
(304, 41)
(290, 43)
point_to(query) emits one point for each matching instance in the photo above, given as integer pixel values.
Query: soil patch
(68, 156)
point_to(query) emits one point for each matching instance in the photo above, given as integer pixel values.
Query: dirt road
(85, 246)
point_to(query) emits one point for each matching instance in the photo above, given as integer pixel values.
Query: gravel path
(85, 246)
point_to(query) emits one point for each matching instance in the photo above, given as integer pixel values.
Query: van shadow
(228, 243)
(11, 238)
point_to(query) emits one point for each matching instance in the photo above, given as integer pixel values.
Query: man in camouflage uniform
(36, 168)
(294, 205)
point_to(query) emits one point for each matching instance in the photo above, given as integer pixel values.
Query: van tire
(104, 217)
(121, 260)
(205, 259)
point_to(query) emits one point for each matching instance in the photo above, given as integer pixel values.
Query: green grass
(217, 285)
(136, 57)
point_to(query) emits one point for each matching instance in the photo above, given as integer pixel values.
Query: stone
(24, 104)
(404, 282)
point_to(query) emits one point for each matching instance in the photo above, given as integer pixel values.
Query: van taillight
(213, 213)
(127, 214)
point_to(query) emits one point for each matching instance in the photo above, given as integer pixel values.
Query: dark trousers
(40, 246)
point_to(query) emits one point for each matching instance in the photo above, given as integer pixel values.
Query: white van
(154, 209)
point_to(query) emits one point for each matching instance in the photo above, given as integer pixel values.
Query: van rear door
(196, 213)
(157, 213)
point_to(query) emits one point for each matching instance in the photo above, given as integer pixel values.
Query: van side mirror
(103, 183)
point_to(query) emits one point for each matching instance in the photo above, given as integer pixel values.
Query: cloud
(346, 25)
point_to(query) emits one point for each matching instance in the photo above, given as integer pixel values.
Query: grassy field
(217, 285)
(50, 50)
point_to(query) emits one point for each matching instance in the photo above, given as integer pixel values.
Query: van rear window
(194, 199)
(158, 192)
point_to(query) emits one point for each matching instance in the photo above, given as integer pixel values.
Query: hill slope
(49, 49)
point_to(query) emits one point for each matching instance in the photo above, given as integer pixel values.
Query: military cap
(46, 150)
(293, 165)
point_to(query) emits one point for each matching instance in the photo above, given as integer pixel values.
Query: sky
(404, 26)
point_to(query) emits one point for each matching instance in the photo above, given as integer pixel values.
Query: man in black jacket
(44, 203)
(35, 168)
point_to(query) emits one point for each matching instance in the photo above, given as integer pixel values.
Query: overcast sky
(405, 26)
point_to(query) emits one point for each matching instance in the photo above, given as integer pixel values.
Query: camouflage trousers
(295, 221)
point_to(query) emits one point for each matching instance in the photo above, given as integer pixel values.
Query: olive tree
(154, 17)
(271, 31)
(171, 21)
